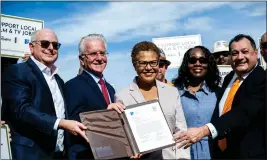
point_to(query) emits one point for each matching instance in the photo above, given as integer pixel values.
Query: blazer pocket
(22, 141)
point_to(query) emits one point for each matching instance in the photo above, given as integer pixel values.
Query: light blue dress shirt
(198, 110)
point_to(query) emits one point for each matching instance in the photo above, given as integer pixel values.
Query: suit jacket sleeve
(246, 111)
(18, 97)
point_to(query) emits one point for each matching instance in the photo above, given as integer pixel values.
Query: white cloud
(68, 65)
(240, 5)
(250, 8)
(199, 23)
(120, 21)
(259, 11)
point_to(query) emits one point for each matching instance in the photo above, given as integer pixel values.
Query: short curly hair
(144, 46)
(212, 77)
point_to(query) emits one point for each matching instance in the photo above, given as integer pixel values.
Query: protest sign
(15, 35)
(175, 47)
(224, 70)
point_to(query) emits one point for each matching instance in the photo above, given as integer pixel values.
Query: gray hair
(35, 33)
(88, 38)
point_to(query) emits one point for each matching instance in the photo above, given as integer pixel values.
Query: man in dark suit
(89, 91)
(238, 124)
(33, 103)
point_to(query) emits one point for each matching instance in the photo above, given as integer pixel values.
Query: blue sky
(126, 23)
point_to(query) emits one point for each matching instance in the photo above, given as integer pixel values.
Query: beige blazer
(169, 100)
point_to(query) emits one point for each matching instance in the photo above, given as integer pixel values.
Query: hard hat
(220, 46)
(163, 57)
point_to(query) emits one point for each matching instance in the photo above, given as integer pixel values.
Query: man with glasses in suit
(33, 102)
(89, 90)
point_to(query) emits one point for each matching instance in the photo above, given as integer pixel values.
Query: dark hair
(212, 77)
(144, 46)
(241, 36)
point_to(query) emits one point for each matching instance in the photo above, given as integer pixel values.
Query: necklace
(193, 90)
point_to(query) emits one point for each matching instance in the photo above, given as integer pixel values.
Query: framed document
(5, 143)
(148, 126)
(140, 129)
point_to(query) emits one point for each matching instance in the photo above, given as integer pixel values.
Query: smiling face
(198, 63)
(94, 63)
(243, 56)
(146, 66)
(222, 58)
(48, 55)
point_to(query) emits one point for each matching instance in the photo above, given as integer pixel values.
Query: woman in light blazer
(145, 87)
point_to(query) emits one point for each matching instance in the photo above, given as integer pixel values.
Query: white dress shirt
(48, 74)
(211, 127)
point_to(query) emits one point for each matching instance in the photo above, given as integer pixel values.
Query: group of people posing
(209, 120)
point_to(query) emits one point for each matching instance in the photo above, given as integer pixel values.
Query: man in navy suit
(89, 91)
(238, 124)
(33, 103)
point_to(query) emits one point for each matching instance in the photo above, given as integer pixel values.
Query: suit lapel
(40, 77)
(245, 84)
(160, 90)
(135, 93)
(224, 86)
(91, 82)
(110, 91)
(37, 72)
(60, 86)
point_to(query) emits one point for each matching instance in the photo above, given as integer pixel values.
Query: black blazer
(244, 126)
(83, 94)
(29, 110)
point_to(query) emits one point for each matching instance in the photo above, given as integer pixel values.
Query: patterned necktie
(104, 90)
(227, 107)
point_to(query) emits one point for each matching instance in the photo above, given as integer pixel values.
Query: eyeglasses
(94, 54)
(194, 60)
(145, 63)
(217, 55)
(264, 45)
(46, 44)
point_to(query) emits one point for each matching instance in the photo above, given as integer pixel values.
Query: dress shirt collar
(95, 77)
(49, 71)
(204, 88)
(245, 75)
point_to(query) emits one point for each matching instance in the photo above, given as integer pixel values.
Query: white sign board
(175, 47)
(15, 34)
(224, 70)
